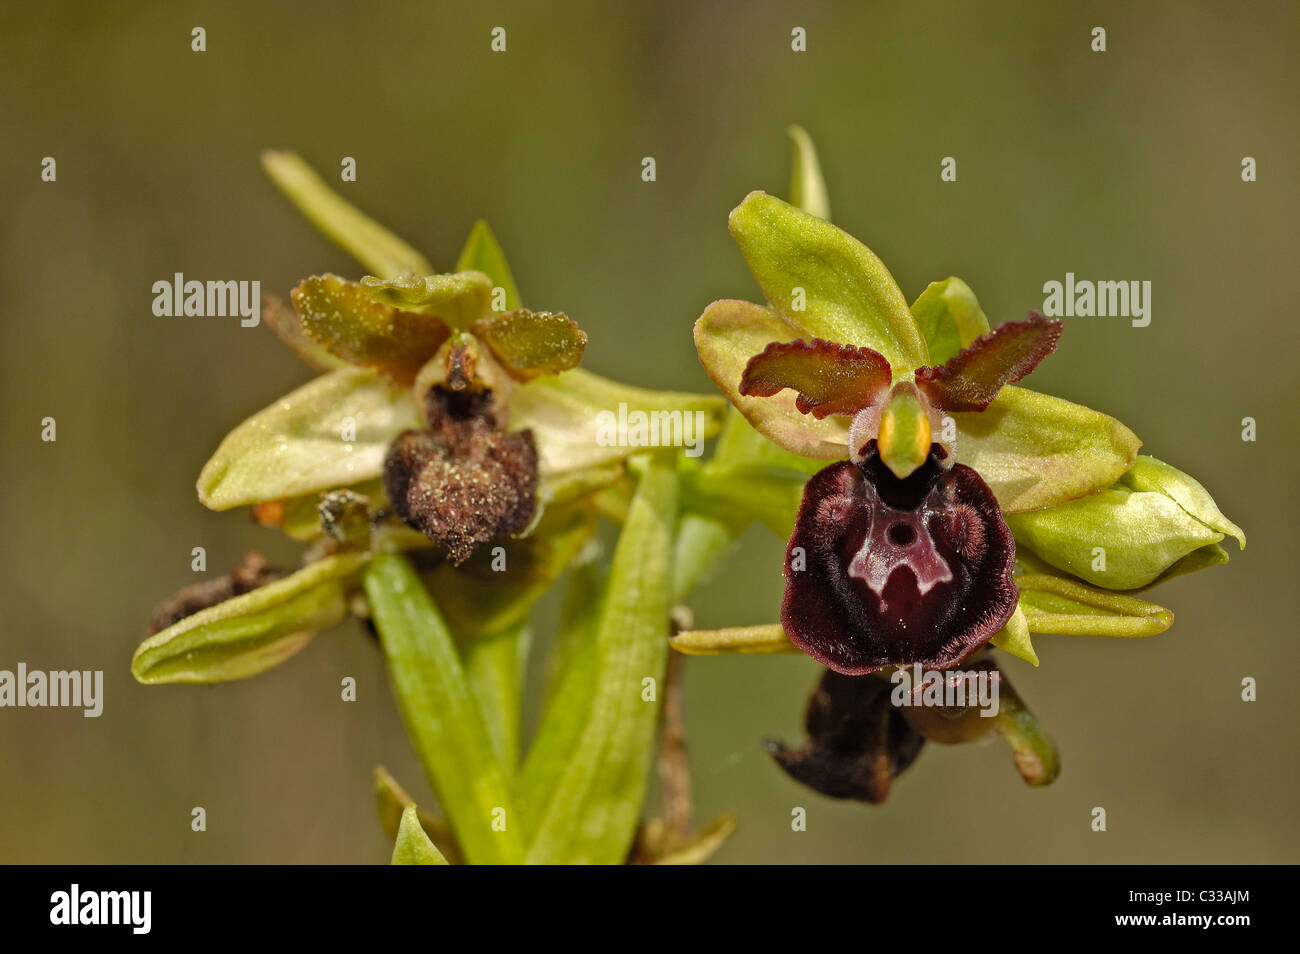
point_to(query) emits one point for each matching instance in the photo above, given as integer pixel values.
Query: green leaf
(571, 687)
(574, 417)
(482, 253)
(807, 187)
(1035, 450)
(849, 295)
(391, 800)
(441, 713)
(1053, 604)
(296, 445)
(591, 814)
(738, 639)
(459, 299)
(249, 633)
(727, 335)
(1119, 539)
(367, 241)
(413, 846)
(950, 318)
(494, 669)
(1149, 474)
(1014, 638)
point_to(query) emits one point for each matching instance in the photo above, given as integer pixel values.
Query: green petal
(738, 639)
(412, 846)
(727, 335)
(807, 187)
(849, 295)
(441, 712)
(482, 253)
(1035, 450)
(570, 415)
(350, 324)
(950, 318)
(1149, 474)
(1068, 608)
(531, 343)
(459, 299)
(296, 446)
(591, 813)
(1119, 539)
(367, 241)
(250, 633)
(1014, 637)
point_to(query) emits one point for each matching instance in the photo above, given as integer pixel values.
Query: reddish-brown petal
(858, 743)
(897, 571)
(830, 378)
(971, 379)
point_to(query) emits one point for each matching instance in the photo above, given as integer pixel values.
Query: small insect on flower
(899, 555)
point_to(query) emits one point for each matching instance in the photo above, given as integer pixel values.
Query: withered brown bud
(463, 482)
(858, 743)
(252, 572)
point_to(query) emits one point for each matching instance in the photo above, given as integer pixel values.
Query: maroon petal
(881, 571)
(830, 378)
(858, 743)
(971, 379)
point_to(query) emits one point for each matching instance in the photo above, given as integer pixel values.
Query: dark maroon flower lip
(858, 743)
(883, 572)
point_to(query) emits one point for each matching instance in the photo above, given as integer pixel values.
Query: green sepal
(367, 241)
(296, 445)
(848, 295)
(482, 253)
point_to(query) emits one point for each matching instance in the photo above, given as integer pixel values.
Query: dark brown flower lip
(858, 743)
(463, 482)
(897, 572)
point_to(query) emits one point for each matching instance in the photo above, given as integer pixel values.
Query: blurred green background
(1120, 165)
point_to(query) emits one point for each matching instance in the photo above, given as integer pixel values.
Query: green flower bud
(1129, 535)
